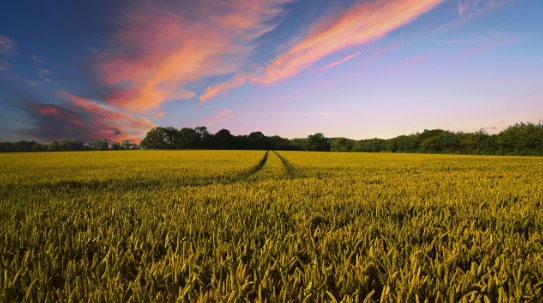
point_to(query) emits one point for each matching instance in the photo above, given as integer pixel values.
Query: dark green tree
(101, 144)
(341, 145)
(157, 138)
(188, 138)
(257, 140)
(317, 142)
(223, 139)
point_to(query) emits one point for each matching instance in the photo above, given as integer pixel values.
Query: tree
(24, 145)
(67, 144)
(223, 139)
(188, 138)
(298, 144)
(317, 142)
(442, 141)
(341, 145)
(172, 137)
(205, 137)
(101, 144)
(53, 146)
(278, 143)
(521, 139)
(156, 138)
(257, 140)
(126, 145)
(116, 146)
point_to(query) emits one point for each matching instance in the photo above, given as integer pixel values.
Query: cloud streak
(341, 61)
(109, 122)
(470, 9)
(4, 66)
(36, 59)
(473, 8)
(159, 51)
(8, 46)
(222, 116)
(362, 23)
(296, 113)
(221, 89)
(82, 118)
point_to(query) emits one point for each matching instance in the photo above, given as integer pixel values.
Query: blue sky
(357, 69)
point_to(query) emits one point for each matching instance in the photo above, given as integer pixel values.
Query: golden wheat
(245, 226)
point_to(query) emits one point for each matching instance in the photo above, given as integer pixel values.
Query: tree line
(519, 139)
(66, 145)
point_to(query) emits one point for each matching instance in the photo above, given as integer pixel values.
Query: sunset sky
(356, 69)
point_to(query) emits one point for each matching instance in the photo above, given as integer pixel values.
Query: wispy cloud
(294, 113)
(484, 43)
(414, 60)
(8, 46)
(470, 9)
(82, 118)
(462, 6)
(36, 59)
(223, 88)
(484, 48)
(473, 8)
(4, 66)
(60, 114)
(107, 121)
(31, 83)
(341, 61)
(362, 23)
(387, 49)
(159, 51)
(222, 116)
(45, 74)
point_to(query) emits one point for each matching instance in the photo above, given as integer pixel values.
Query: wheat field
(256, 226)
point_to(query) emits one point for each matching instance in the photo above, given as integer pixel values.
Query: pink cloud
(159, 51)
(49, 110)
(222, 116)
(414, 60)
(382, 51)
(362, 23)
(296, 113)
(223, 88)
(341, 61)
(105, 121)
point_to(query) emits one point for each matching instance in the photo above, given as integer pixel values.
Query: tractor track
(291, 170)
(68, 186)
(255, 169)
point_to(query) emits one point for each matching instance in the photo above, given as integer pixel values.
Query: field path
(272, 170)
(291, 170)
(255, 169)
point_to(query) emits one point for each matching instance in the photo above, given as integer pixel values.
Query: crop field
(256, 226)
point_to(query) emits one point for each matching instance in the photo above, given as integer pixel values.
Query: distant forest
(520, 139)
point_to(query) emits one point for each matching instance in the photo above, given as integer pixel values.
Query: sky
(347, 68)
